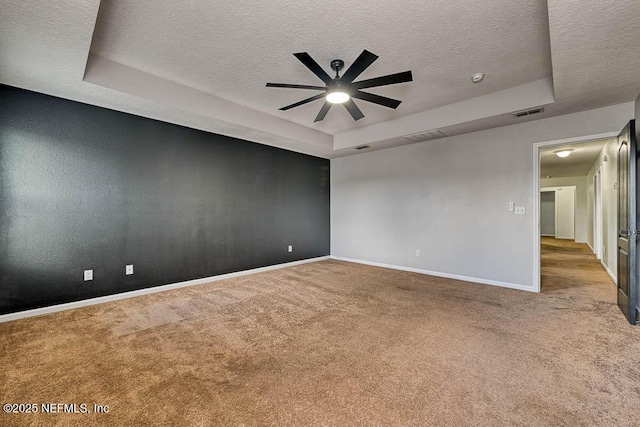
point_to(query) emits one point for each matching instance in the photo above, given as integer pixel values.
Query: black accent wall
(83, 187)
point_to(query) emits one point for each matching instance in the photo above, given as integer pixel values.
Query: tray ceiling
(231, 49)
(205, 64)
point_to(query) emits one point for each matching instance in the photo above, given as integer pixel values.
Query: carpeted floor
(335, 343)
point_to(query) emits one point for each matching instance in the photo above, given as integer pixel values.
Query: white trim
(609, 272)
(590, 247)
(598, 223)
(548, 235)
(439, 274)
(162, 288)
(536, 192)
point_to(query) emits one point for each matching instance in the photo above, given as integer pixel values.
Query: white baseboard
(609, 272)
(162, 288)
(439, 274)
(591, 247)
(547, 235)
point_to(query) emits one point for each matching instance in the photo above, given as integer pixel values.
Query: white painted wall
(581, 209)
(449, 199)
(609, 204)
(565, 212)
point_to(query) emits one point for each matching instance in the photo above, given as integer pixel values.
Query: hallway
(571, 269)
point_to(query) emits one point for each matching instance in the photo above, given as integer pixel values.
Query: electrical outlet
(128, 269)
(290, 248)
(417, 252)
(512, 206)
(88, 275)
(520, 210)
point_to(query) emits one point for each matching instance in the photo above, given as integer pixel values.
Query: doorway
(585, 235)
(615, 198)
(547, 213)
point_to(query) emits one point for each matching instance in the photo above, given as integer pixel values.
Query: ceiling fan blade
(361, 63)
(304, 101)
(376, 99)
(323, 111)
(353, 109)
(286, 85)
(391, 79)
(316, 69)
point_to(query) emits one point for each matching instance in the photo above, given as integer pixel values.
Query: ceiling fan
(341, 89)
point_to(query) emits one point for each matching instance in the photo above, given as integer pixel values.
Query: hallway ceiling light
(563, 153)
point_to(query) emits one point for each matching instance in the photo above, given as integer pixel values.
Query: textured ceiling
(595, 50)
(579, 162)
(44, 47)
(232, 48)
(204, 64)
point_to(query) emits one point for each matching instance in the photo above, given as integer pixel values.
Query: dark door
(627, 233)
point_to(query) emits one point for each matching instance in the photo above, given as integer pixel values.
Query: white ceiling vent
(529, 112)
(426, 135)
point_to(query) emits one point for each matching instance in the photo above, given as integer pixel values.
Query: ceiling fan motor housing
(337, 65)
(338, 85)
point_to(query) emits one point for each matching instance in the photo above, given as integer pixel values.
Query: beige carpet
(334, 343)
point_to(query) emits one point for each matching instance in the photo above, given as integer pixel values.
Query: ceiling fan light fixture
(563, 153)
(344, 89)
(337, 97)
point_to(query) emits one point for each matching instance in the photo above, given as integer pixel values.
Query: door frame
(598, 235)
(536, 191)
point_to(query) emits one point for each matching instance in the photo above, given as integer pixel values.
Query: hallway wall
(609, 204)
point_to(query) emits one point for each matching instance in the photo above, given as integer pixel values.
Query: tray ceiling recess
(539, 53)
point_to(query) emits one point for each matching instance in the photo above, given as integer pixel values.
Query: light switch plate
(290, 248)
(511, 206)
(520, 210)
(88, 275)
